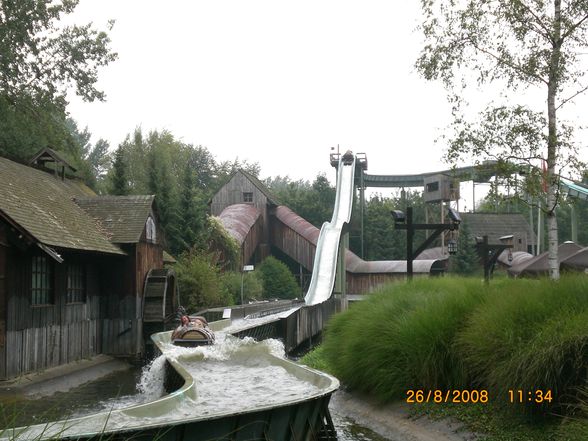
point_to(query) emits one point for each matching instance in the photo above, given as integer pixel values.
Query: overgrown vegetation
(199, 281)
(457, 333)
(278, 281)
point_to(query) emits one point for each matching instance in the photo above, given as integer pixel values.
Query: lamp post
(246, 268)
(402, 222)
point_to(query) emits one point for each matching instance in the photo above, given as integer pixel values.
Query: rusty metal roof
(540, 264)
(578, 260)
(353, 263)
(298, 224)
(238, 219)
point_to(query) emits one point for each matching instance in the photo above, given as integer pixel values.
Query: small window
(247, 197)
(150, 230)
(432, 186)
(41, 281)
(76, 283)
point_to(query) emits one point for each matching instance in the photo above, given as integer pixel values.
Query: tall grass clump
(530, 335)
(402, 337)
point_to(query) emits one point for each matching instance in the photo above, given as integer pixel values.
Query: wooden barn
(244, 188)
(72, 268)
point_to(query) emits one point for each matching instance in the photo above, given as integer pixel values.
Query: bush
(252, 286)
(531, 334)
(278, 281)
(458, 333)
(199, 282)
(400, 338)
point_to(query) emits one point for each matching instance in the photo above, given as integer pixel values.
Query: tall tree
(120, 180)
(519, 44)
(40, 60)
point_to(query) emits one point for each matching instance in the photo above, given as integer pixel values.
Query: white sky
(271, 81)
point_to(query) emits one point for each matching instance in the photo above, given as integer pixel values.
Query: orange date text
(446, 396)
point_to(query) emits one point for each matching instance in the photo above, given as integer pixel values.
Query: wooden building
(244, 188)
(72, 268)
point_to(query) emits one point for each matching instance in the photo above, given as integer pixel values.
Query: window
(41, 281)
(432, 186)
(150, 230)
(247, 197)
(76, 283)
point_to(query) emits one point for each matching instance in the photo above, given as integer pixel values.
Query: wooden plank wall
(148, 256)
(3, 259)
(305, 323)
(251, 241)
(232, 193)
(40, 337)
(293, 244)
(363, 283)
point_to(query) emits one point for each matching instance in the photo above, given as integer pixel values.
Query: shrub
(400, 338)
(529, 335)
(278, 281)
(199, 282)
(458, 333)
(252, 286)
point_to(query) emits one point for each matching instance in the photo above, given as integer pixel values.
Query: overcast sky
(271, 81)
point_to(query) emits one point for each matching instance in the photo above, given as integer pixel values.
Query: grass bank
(525, 342)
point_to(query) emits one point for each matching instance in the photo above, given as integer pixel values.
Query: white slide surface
(327, 248)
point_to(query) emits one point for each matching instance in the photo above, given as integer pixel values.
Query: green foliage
(466, 261)
(183, 178)
(511, 45)
(312, 201)
(382, 240)
(400, 338)
(120, 181)
(41, 60)
(278, 281)
(316, 359)
(199, 282)
(531, 334)
(220, 242)
(458, 333)
(252, 285)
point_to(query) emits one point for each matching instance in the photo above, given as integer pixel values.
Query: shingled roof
(122, 217)
(43, 205)
(497, 225)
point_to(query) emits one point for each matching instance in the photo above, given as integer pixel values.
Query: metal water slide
(325, 260)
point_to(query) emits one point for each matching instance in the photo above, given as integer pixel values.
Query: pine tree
(120, 182)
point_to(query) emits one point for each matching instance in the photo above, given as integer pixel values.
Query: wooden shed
(67, 290)
(244, 188)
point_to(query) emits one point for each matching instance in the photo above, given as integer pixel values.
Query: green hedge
(457, 333)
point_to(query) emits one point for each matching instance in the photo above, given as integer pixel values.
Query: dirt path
(393, 421)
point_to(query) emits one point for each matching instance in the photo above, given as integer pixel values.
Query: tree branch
(573, 28)
(506, 63)
(579, 92)
(539, 22)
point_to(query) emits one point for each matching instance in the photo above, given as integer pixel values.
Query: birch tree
(516, 46)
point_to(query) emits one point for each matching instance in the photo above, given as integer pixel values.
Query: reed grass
(401, 337)
(530, 335)
(449, 333)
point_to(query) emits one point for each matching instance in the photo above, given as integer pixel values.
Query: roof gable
(122, 217)
(43, 206)
(497, 225)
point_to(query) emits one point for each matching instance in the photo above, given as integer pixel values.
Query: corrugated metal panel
(238, 220)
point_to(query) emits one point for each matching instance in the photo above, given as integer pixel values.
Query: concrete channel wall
(300, 418)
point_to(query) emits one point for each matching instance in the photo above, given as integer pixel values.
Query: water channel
(230, 375)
